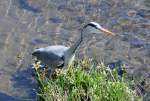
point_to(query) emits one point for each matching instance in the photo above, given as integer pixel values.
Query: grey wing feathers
(54, 55)
(57, 50)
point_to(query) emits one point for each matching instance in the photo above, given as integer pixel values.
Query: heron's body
(52, 55)
(56, 50)
(60, 56)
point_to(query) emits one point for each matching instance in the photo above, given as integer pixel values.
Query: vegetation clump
(84, 81)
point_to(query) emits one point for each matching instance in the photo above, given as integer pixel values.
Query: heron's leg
(50, 73)
(47, 71)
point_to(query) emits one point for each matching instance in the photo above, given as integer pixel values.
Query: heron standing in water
(59, 56)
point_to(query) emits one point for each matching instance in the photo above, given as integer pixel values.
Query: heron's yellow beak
(107, 32)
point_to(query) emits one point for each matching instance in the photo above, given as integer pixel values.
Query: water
(28, 24)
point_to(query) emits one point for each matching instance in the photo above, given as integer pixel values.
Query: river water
(29, 24)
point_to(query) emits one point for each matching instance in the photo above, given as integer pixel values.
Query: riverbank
(85, 81)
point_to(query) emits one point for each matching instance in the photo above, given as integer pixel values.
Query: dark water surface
(28, 24)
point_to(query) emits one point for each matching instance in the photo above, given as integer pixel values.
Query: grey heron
(59, 56)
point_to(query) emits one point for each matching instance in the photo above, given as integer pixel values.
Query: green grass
(84, 81)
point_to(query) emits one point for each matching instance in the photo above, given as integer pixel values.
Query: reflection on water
(5, 97)
(56, 20)
(28, 24)
(23, 80)
(24, 4)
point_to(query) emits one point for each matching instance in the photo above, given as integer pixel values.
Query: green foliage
(85, 81)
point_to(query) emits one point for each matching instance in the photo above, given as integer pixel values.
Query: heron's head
(94, 27)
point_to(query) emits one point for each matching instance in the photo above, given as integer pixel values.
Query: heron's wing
(54, 55)
(57, 50)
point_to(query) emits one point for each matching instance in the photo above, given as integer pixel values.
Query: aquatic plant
(85, 80)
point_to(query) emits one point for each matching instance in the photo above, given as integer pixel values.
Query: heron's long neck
(74, 47)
